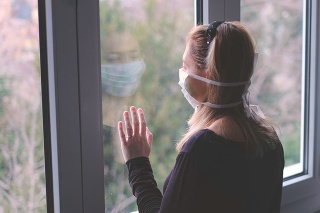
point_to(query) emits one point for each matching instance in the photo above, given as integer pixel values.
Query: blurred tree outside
(160, 28)
(4, 92)
(22, 179)
(276, 86)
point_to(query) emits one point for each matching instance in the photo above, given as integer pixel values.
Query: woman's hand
(137, 140)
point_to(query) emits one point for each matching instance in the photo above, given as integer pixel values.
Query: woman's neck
(226, 127)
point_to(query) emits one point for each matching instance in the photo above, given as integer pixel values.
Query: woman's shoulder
(206, 139)
(198, 136)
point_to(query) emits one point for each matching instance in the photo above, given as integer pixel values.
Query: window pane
(142, 43)
(277, 84)
(22, 178)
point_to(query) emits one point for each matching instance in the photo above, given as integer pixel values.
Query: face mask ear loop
(256, 113)
(245, 98)
(252, 111)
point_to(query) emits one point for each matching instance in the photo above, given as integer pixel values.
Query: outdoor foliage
(161, 38)
(276, 85)
(22, 180)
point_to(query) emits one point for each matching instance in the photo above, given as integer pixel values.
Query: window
(73, 93)
(279, 81)
(22, 174)
(142, 43)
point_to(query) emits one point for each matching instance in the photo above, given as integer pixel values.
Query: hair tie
(212, 30)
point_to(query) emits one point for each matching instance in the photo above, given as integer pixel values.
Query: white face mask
(193, 102)
(122, 80)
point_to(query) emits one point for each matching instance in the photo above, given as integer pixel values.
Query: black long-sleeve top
(211, 174)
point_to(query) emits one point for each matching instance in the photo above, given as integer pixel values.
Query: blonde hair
(228, 58)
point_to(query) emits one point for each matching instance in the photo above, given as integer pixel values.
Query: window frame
(308, 185)
(301, 193)
(71, 98)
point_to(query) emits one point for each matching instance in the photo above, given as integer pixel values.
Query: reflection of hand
(137, 141)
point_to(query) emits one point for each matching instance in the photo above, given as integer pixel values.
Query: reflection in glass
(141, 47)
(22, 178)
(277, 87)
(122, 65)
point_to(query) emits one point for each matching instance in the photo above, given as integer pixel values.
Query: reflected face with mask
(122, 65)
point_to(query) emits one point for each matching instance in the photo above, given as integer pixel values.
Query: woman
(231, 159)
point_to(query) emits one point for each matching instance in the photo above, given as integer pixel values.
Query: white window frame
(302, 192)
(70, 72)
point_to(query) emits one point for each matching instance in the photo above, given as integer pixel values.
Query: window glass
(278, 82)
(142, 43)
(22, 178)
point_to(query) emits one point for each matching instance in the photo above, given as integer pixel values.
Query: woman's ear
(208, 76)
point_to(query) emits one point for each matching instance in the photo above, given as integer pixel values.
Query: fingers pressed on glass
(128, 124)
(143, 123)
(135, 121)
